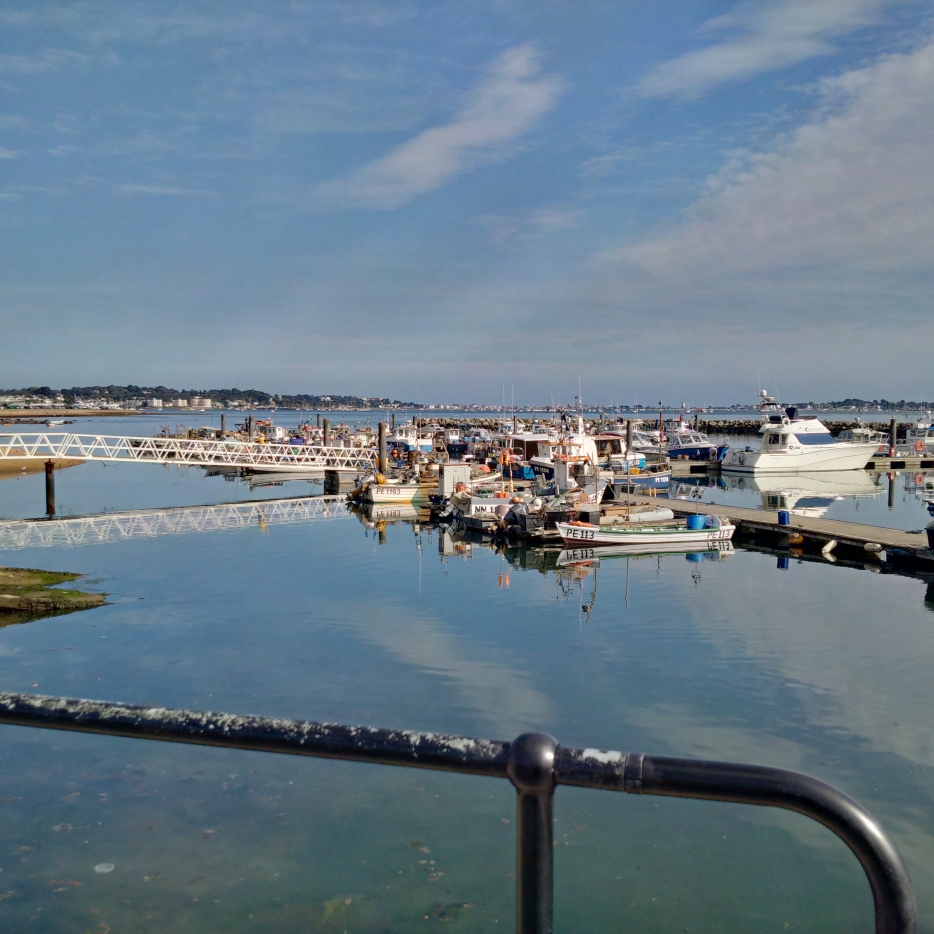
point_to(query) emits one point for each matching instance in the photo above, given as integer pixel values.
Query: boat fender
(742, 457)
(919, 447)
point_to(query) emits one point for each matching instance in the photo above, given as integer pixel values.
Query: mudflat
(27, 594)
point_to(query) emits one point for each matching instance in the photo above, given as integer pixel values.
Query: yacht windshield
(816, 437)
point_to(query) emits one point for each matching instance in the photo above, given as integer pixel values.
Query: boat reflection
(808, 494)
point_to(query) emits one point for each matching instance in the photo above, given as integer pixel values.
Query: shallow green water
(822, 669)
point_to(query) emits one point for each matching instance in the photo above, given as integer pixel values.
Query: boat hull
(638, 535)
(704, 452)
(831, 457)
(659, 480)
(393, 493)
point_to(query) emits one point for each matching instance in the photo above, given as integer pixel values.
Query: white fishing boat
(407, 437)
(919, 437)
(696, 529)
(791, 445)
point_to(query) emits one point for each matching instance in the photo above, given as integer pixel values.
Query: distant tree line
(219, 397)
(863, 404)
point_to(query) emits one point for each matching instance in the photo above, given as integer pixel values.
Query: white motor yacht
(792, 444)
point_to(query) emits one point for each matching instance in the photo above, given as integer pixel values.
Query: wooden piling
(49, 489)
(382, 464)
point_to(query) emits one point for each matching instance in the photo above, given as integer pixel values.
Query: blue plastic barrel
(784, 517)
(695, 522)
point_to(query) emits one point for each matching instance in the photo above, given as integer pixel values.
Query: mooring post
(696, 420)
(49, 489)
(326, 433)
(249, 426)
(223, 424)
(531, 769)
(893, 429)
(628, 435)
(393, 420)
(891, 490)
(381, 465)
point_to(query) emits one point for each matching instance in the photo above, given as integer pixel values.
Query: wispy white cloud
(510, 100)
(760, 37)
(847, 193)
(527, 225)
(131, 189)
(39, 62)
(7, 153)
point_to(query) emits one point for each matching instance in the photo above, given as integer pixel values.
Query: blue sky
(428, 201)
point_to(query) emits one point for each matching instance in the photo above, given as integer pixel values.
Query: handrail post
(531, 770)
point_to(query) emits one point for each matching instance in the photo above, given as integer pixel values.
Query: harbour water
(341, 620)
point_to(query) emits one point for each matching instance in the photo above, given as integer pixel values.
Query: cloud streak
(847, 193)
(128, 190)
(762, 37)
(511, 99)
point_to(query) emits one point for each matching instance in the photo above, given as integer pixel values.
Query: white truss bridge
(148, 523)
(245, 455)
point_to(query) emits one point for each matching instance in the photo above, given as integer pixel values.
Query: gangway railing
(69, 531)
(200, 452)
(535, 763)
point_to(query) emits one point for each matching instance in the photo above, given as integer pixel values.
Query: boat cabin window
(816, 437)
(775, 439)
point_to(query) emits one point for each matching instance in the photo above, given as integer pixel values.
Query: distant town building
(154, 404)
(200, 402)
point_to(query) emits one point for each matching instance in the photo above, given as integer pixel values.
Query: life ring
(919, 447)
(919, 479)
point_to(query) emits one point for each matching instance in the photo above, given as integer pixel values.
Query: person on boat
(518, 508)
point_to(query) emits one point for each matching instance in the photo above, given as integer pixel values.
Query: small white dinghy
(696, 529)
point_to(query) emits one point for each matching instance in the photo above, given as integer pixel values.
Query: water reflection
(384, 619)
(146, 523)
(853, 496)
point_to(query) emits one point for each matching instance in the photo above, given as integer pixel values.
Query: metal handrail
(535, 764)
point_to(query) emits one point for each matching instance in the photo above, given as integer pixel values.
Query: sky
(681, 200)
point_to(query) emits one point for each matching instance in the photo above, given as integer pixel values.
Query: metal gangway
(198, 452)
(148, 523)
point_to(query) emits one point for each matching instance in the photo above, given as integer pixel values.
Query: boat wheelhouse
(693, 445)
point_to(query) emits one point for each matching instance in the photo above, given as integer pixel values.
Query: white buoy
(874, 547)
(829, 547)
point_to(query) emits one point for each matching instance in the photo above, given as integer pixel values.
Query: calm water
(897, 500)
(334, 619)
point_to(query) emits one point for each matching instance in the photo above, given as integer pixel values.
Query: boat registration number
(581, 534)
(580, 554)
